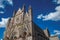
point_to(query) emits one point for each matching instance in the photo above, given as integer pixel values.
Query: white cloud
(10, 2)
(54, 16)
(3, 23)
(1, 6)
(1, 39)
(7, 1)
(1, 12)
(52, 34)
(40, 16)
(57, 1)
(57, 32)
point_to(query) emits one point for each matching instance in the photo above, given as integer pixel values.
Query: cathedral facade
(21, 27)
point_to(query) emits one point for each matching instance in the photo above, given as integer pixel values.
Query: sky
(46, 14)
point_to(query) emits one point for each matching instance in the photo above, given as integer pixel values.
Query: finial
(23, 8)
(30, 7)
(19, 10)
(46, 28)
(30, 10)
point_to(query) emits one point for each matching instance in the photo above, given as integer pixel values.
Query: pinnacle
(19, 9)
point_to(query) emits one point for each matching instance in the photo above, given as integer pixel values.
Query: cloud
(9, 2)
(57, 32)
(4, 2)
(3, 23)
(40, 16)
(1, 39)
(57, 1)
(54, 16)
(1, 12)
(52, 35)
(1, 6)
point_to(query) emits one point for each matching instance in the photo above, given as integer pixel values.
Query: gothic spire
(30, 9)
(23, 8)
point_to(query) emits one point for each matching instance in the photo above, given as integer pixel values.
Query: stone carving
(22, 27)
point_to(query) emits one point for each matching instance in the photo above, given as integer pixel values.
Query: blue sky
(46, 13)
